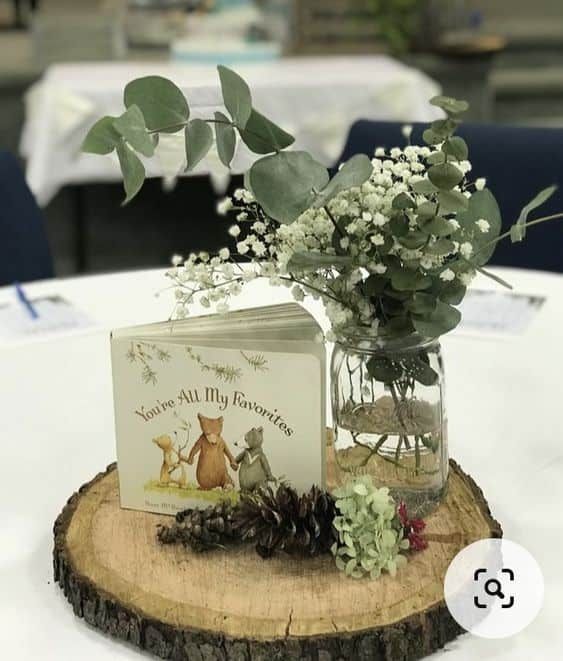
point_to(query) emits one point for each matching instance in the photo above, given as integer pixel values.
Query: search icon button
(493, 588)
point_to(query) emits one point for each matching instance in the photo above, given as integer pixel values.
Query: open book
(208, 406)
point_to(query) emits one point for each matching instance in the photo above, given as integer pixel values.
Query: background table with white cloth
(315, 99)
(57, 432)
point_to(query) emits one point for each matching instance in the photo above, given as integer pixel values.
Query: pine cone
(201, 530)
(281, 520)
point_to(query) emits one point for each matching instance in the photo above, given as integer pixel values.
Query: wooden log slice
(232, 605)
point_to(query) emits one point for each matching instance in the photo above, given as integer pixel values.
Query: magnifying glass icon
(493, 588)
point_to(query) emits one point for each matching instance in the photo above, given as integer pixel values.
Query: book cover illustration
(197, 424)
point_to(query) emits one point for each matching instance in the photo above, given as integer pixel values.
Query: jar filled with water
(389, 416)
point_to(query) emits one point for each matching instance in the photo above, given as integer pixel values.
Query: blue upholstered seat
(517, 161)
(24, 249)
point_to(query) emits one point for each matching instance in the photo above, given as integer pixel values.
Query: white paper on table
(498, 312)
(55, 315)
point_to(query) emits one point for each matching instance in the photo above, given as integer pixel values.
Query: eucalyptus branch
(333, 221)
(506, 235)
(486, 273)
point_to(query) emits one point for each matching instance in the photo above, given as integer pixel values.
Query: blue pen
(24, 300)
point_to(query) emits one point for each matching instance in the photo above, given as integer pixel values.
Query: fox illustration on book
(172, 471)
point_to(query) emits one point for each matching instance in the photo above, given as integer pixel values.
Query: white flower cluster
(360, 227)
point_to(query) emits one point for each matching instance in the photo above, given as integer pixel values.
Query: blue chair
(24, 249)
(518, 162)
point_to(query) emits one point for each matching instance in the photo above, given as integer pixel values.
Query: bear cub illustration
(254, 471)
(211, 472)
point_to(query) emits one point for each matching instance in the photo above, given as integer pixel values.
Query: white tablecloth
(316, 99)
(504, 398)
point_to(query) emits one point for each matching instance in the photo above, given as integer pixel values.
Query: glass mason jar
(389, 416)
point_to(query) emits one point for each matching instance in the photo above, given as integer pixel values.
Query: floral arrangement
(389, 244)
(360, 525)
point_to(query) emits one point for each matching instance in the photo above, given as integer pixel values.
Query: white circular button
(494, 588)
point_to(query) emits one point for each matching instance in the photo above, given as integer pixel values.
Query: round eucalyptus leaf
(418, 367)
(427, 210)
(283, 183)
(407, 280)
(236, 95)
(422, 303)
(445, 176)
(262, 136)
(424, 187)
(162, 103)
(311, 261)
(199, 139)
(225, 137)
(452, 201)
(432, 138)
(374, 285)
(403, 201)
(442, 319)
(384, 369)
(456, 147)
(437, 226)
(131, 125)
(399, 225)
(482, 205)
(449, 105)
(445, 127)
(452, 292)
(441, 247)
(132, 169)
(102, 138)
(413, 240)
(353, 173)
(435, 158)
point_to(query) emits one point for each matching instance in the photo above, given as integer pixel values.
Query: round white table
(57, 432)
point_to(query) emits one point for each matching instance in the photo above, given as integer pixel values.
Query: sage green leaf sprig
(370, 537)
(389, 244)
(284, 183)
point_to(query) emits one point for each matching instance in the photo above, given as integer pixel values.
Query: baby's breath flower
(224, 254)
(234, 230)
(480, 183)
(377, 239)
(298, 293)
(466, 249)
(483, 225)
(224, 206)
(447, 275)
(406, 130)
(466, 278)
(177, 260)
(242, 247)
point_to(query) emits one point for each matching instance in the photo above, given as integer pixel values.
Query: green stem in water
(417, 453)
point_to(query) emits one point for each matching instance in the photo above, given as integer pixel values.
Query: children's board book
(211, 406)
